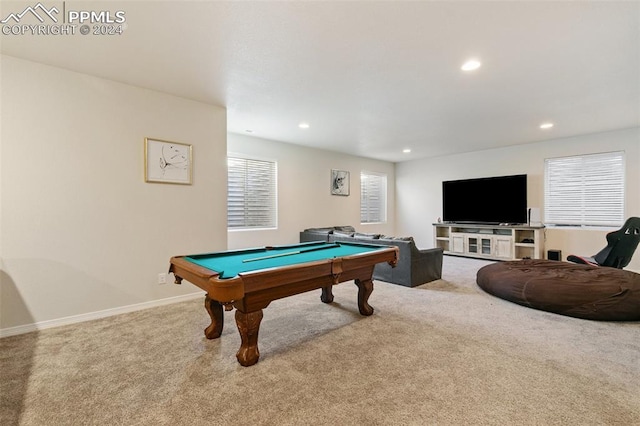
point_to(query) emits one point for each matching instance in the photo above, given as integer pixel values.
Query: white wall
(419, 184)
(304, 198)
(81, 230)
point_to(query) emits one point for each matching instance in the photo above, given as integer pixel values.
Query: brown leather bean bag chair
(581, 291)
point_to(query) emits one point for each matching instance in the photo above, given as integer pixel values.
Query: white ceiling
(372, 78)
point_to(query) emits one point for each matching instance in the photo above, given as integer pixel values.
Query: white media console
(498, 242)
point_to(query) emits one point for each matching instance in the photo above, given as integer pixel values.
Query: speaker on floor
(554, 254)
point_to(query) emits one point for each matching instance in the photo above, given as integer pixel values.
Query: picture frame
(167, 162)
(339, 182)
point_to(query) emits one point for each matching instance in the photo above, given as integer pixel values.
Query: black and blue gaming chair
(621, 245)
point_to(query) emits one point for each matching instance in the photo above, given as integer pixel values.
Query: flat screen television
(492, 200)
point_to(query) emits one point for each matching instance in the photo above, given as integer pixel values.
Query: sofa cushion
(366, 236)
(323, 230)
(343, 234)
(384, 237)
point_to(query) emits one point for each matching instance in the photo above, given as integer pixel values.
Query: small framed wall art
(167, 162)
(339, 182)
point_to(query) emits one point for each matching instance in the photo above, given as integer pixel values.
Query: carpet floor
(444, 353)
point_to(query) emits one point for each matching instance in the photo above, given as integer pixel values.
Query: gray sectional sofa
(415, 266)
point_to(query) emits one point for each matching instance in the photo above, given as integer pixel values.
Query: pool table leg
(248, 325)
(214, 308)
(365, 288)
(327, 294)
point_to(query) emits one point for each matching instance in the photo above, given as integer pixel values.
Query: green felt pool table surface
(231, 263)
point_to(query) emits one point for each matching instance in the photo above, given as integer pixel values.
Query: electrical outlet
(162, 278)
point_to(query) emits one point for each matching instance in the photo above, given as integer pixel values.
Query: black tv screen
(493, 200)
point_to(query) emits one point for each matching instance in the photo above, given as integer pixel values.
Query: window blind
(373, 197)
(585, 190)
(251, 193)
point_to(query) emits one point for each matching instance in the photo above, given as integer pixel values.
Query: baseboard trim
(43, 325)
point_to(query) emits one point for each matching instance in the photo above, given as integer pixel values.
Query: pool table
(250, 279)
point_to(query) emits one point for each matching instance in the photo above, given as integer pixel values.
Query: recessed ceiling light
(406, 150)
(470, 65)
(303, 125)
(546, 125)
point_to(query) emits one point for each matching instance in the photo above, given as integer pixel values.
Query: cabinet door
(502, 247)
(457, 244)
(472, 245)
(486, 246)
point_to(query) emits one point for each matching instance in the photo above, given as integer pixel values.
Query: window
(373, 197)
(251, 194)
(585, 190)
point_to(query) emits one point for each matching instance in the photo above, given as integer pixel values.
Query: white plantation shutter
(373, 197)
(585, 190)
(251, 193)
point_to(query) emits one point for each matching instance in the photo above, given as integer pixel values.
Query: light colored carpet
(445, 353)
